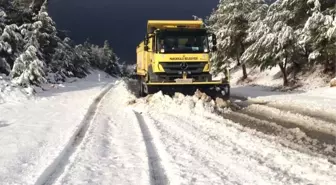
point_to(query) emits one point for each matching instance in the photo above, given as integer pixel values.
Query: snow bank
(313, 91)
(35, 131)
(319, 100)
(10, 92)
(254, 91)
(322, 99)
(272, 78)
(313, 79)
(333, 82)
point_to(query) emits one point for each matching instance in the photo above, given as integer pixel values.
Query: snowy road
(163, 140)
(112, 150)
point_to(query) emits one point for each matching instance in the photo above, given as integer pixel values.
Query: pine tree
(28, 69)
(290, 34)
(47, 34)
(231, 22)
(33, 50)
(275, 37)
(320, 36)
(11, 45)
(4, 66)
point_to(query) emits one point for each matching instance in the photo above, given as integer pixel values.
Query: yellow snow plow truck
(174, 57)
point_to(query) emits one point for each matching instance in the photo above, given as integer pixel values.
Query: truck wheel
(227, 92)
(141, 88)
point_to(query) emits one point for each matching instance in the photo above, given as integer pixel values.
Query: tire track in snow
(269, 119)
(291, 121)
(195, 157)
(55, 169)
(216, 142)
(317, 114)
(157, 172)
(292, 138)
(306, 111)
(214, 147)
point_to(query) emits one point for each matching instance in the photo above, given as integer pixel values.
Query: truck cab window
(180, 42)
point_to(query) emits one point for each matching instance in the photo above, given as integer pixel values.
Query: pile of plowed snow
(199, 103)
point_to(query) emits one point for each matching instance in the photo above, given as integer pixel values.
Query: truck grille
(176, 67)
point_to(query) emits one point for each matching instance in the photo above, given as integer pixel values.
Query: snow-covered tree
(32, 49)
(111, 59)
(62, 58)
(47, 35)
(274, 39)
(290, 34)
(33, 5)
(28, 69)
(4, 66)
(231, 22)
(11, 44)
(319, 34)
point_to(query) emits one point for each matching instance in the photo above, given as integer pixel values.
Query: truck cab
(175, 54)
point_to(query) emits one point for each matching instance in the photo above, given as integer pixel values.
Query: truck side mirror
(146, 40)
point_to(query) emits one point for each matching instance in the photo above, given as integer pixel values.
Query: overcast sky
(121, 22)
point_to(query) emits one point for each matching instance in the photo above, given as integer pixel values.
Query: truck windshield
(183, 42)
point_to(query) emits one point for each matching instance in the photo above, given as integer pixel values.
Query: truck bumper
(212, 83)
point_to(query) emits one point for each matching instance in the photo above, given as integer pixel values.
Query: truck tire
(141, 87)
(227, 92)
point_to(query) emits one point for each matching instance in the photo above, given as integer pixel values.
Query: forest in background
(33, 51)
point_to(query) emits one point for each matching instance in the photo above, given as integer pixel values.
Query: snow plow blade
(214, 89)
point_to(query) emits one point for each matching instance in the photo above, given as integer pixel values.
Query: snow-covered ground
(69, 136)
(34, 131)
(148, 141)
(204, 148)
(9, 92)
(271, 79)
(323, 99)
(113, 150)
(314, 93)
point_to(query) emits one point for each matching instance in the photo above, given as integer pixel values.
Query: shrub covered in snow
(32, 50)
(128, 70)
